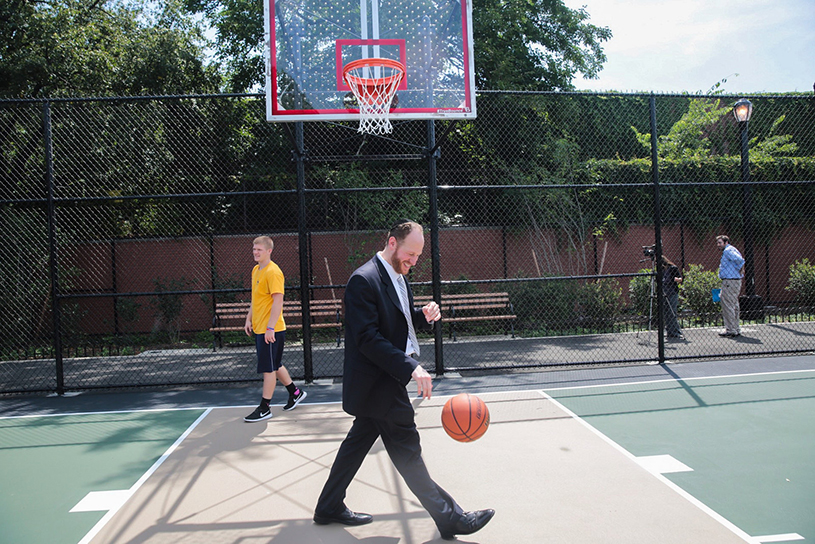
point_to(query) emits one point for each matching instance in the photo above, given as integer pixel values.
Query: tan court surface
(549, 477)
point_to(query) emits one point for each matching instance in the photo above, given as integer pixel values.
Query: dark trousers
(401, 441)
(669, 315)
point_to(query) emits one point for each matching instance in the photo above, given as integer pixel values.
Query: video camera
(649, 251)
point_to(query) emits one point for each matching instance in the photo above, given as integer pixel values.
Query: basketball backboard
(309, 41)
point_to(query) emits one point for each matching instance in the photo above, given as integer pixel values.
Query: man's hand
(424, 382)
(247, 328)
(432, 312)
(269, 336)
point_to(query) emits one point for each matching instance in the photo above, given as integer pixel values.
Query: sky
(671, 46)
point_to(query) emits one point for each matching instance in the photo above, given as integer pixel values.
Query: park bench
(325, 313)
(461, 308)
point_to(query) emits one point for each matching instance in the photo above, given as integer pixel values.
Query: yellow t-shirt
(265, 283)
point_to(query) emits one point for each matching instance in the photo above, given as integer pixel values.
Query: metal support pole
(115, 287)
(53, 261)
(305, 280)
(657, 231)
(435, 253)
(747, 208)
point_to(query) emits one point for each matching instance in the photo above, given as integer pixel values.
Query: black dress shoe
(346, 518)
(469, 523)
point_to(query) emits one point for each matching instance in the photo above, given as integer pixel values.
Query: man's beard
(396, 264)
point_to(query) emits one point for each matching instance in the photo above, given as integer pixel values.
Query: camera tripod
(651, 298)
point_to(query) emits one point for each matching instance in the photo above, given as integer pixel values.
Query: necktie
(407, 312)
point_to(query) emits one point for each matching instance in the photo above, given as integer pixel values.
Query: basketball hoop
(374, 83)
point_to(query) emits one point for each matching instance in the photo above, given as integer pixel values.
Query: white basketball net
(374, 87)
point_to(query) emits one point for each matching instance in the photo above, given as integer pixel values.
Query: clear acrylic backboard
(309, 41)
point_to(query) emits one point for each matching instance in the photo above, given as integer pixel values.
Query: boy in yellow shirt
(265, 322)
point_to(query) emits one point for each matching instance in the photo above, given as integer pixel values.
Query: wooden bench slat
(327, 311)
(484, 303)
(480, 318)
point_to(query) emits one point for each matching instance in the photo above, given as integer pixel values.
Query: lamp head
(742, 110)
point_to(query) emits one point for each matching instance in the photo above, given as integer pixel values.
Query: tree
(101, 47)
(519, 44)
(534, 44)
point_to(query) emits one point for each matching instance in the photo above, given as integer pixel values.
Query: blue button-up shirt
(732, 261)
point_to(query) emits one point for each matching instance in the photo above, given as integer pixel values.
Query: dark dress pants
(669, 315)
(401, 441)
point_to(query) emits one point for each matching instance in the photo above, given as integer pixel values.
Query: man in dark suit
(380, 351)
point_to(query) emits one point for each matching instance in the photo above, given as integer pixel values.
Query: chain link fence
(125, 222)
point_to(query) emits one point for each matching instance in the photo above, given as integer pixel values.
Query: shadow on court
(549, 477)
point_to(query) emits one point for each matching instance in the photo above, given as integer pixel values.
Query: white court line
(112, 512)
(99, 501)
(615, 384)
(109, 412)
(664, 380)
(789, 537)
(693, 500)
(662, 464)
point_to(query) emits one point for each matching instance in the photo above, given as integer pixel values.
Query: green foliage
(24, 286)
(108, 47)
(687, 138)
(534, 44)
(219, 282)
(128, 310)
(168, 303)
(773, 144)
(774, 208)
(70, 323)
(695, 293)
(239, 41)
(545, 304)
(600, 303)
(361, 210)
(639, 293)
(692, 136)
(802, 282)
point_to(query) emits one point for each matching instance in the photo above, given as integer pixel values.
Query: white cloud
(689, 46)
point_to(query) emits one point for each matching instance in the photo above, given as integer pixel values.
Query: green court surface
(49, 464)
(749, 441)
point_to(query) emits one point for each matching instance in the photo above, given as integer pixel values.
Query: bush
(802, 283)
(695, 293)
(639, 293)
(544, 304)
(169, 303)
(601, 303)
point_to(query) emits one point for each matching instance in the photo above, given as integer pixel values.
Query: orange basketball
(465, 417)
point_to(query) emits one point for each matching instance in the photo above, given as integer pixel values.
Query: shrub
(601, 303)
(544, 304)
(639, 293)
(802, 282)
(169, 303)
(695, 292)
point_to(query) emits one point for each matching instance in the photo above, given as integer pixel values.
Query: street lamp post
(751, 305)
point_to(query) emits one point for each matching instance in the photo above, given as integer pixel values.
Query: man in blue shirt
(731, 270)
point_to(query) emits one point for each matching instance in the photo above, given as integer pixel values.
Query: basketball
(465, 417)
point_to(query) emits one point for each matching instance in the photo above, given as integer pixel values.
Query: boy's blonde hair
(264, 241)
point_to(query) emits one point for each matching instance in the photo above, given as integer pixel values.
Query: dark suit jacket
(376, 369)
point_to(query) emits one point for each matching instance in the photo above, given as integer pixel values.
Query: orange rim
(369, 82)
